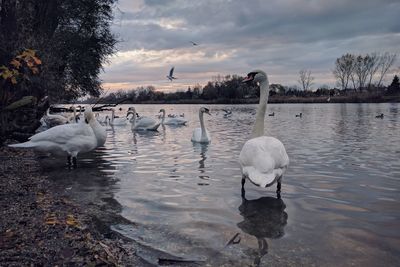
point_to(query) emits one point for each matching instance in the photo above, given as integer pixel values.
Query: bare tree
(372, 66)
(386, 61)
(343, 69)
(306, 80)
(361, 70)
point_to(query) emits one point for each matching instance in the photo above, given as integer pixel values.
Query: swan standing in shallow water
(142, 124)
(263, 159)
(66, 140)
(172, 121)
(201, 135)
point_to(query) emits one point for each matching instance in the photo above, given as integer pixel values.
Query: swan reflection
(202, 150)
(263, 218)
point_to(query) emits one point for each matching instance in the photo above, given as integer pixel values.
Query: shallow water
(340, 195)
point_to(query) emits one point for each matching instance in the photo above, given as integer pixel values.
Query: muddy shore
(41, 226)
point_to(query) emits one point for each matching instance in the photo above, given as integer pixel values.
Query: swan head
(88, 114)
(205, 110)
(162, 110)
(257, 76)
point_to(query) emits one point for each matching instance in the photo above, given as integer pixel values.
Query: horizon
(233, 40)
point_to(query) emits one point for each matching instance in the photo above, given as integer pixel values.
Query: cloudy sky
(235, 36)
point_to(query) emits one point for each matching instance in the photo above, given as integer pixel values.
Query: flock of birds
(263, 159)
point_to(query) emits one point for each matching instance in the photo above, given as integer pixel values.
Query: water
(340, 195)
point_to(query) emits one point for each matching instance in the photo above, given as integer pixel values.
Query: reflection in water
(184, 198)
(263, 218)
(202, 148)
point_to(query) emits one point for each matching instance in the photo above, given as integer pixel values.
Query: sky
(280, 37)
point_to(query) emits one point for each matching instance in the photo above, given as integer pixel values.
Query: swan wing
(145, 122)
(196, 136)
(176, 121)
(171, 72)
(63, 133)
(263, 160)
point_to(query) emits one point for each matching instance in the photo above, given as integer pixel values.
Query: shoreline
(41, 225)
(349, 99)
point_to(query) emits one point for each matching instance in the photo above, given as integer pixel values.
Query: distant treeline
(231, 90)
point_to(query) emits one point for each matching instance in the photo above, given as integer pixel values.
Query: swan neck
(258, 129)
(112, 115)
(163, 117)
(203, 128)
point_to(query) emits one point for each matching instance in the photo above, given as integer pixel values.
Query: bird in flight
(171, 74)
(193, 43)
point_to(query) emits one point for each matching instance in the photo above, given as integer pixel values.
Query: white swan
(73, 118)
(201, 135)
(66, 140)
(142, 124)
(172, 121)
(117, 121)
(263, 159)
(54, 119)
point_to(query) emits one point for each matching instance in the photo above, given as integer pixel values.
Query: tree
(394, 87)
(306, 80)
(343, 69)
(72, 38)
(386, 62)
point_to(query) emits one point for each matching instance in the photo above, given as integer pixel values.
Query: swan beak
(249, 78)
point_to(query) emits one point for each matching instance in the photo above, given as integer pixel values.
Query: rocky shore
(41, 226)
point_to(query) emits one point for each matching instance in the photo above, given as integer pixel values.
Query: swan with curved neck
(263, 159)
(144, 124)
(201, 135)
(54, 119)
(117, 121)
(66, 140)
(172, 121)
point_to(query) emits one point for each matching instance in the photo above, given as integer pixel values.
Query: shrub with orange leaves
(28, 59)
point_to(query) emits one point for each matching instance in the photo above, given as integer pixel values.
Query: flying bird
(193, 43)
(171, 74)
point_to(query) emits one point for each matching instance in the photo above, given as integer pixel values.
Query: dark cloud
(283, 35)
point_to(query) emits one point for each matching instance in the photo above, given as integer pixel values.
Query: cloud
(280, 36)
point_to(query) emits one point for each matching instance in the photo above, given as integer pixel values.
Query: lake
(340, 194)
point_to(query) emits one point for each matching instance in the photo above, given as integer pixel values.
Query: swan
(263, 159)
(66, 140)
(142, 124)
(73, 118)
(54, 119)
(299, 115)
(117, 121)
(271, 114)
(201, 135)
(172, 121)
(380, 116)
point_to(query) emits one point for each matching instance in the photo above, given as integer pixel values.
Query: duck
(380, 116)
(201, 135)
(65, 140)
(172, 121)
(142, 124)
(263, 159)
(271, 114)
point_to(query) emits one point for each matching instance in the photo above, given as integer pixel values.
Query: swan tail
(23, 145)
(258, 178)
(155, 127)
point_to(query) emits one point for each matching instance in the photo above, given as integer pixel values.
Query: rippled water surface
(340, 195)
